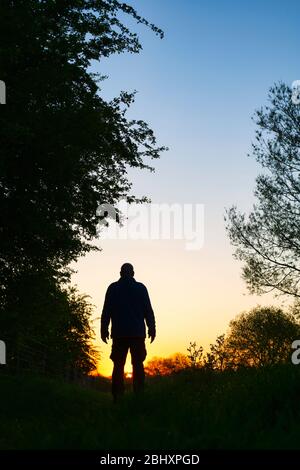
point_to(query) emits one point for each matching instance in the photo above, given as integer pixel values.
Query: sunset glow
(199, 102)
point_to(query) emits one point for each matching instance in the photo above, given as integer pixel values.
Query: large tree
(64, 149)
(267, 241)
(263, 336)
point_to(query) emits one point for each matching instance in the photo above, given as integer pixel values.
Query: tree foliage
(218, 357)
(64, 151)
(195, 354)
(263, 336)
(267, 240)
(260, 337)
(47, 328)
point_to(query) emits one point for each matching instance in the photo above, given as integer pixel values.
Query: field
(248, 409)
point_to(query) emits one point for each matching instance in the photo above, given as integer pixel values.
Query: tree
(195, 354)
(64, 149)
(47, 328)
(218, 357)
(268, 240)
(263, 336)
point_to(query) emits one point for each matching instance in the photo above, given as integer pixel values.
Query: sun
(128, 375)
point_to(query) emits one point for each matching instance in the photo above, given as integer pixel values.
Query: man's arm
(149, 317)
(106, 315)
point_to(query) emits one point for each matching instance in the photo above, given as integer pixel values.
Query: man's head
(127, 270)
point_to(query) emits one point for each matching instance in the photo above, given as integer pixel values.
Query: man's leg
(118, 356)
(138, 355)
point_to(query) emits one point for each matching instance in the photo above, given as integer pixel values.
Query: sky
(198, 89)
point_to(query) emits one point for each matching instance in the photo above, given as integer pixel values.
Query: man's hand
(151, 336)
(105, 337)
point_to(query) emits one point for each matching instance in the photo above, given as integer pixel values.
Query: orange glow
(167, 365)
(194, 294)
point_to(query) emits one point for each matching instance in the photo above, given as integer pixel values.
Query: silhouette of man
(127, 305)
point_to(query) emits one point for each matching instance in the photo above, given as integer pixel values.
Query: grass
(248, 409)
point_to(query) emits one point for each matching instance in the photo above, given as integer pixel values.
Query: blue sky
(197, 88)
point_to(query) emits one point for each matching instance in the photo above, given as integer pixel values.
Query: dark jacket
(127, 305)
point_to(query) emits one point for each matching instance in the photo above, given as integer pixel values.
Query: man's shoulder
(141, 286)
(113, 285)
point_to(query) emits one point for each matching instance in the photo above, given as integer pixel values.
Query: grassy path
(247, 409)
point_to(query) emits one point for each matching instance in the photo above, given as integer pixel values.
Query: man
(127, 305)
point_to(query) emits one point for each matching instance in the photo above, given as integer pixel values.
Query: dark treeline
(259, 338)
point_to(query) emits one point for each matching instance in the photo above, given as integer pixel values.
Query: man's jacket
(127, 305)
